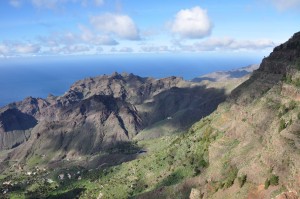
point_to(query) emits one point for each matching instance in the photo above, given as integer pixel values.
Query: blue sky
(89, 27)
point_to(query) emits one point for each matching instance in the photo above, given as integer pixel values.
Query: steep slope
(253, 141)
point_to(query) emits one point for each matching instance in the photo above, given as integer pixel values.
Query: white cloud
(54, 4)
(192, 23)
(285, 4)
(15, 3)
(122, 50)
(227, 44)
(16, 49)
(126, 50)
(113, 50)
(156, 49)
(75, 49)
(99, 49)
(4, 50)
(68, 49)
(56, 39)
(120, 25)
(88, 36)
(104, 40)
(27, 49)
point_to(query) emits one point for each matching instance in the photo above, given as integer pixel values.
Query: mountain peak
(283, 57)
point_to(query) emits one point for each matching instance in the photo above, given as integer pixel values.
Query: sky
(92, 27)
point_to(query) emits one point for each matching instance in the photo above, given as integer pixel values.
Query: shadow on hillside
(85, 148)
(179, 108)
(14, 119)
(75, 193)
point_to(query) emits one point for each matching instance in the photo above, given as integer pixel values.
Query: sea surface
(38, 77)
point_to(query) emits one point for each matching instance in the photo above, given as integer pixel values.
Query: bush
(287, 79)
(231, 173)
(282, 125)
(242, 180)
(267, 183)
(274, 180)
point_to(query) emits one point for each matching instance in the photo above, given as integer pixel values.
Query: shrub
(287, 79)
(267, 183)
(292, 105)
(231, 173)
(283, 110)
(282, 125)
(296, 82)
(274, 180)
(242, 180)
(290, 121)
(298, 116)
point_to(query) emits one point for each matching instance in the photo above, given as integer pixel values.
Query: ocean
(40, 76)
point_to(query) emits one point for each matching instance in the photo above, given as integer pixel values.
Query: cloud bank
(226, 44)
(12, 49)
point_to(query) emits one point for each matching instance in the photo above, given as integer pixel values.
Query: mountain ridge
(109, 109)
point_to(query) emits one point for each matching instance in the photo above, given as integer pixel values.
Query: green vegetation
(267, 183)
(296, 82)
(282, 125)
(292, 105)
(242, 180)
(169, 161)
(124, 147)
(287, 79)
(273, 181)
(230, 177)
